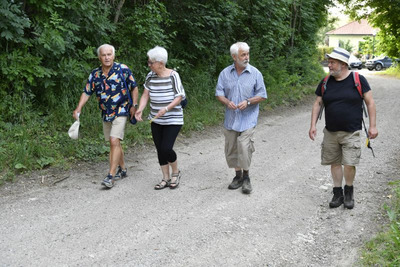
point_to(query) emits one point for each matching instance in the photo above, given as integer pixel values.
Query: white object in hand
(73, 131)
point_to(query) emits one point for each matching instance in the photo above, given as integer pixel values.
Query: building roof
(355, 28)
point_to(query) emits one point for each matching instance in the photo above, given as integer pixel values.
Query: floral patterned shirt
(111, 90)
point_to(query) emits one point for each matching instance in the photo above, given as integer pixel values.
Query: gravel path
(284, 222)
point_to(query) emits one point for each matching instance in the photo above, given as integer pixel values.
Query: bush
(322, 51)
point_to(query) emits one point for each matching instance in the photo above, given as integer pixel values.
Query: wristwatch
(248, 102)
(135, 105)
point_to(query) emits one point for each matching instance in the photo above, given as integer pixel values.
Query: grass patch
(384, 249)
(392, 72)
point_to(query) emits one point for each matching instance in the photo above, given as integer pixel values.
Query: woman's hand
(161, 112)
(132, 112)
(138, 115)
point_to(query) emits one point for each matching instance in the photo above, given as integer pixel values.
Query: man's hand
(242, 105)
(231, 105)
(372, 132)
(312, 133)
(75, 114)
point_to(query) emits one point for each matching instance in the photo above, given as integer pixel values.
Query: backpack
(357, 84)
(184, 101)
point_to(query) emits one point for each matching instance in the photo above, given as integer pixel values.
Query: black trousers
(164, 137)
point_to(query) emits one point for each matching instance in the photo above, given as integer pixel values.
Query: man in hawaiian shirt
(112, 82)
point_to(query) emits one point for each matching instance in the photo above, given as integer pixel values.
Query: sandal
(163, 184)
(175, 184)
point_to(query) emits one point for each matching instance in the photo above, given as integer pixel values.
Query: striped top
(237, 88)
(162, 91)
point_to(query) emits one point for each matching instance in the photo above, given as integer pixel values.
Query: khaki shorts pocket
(352, 154)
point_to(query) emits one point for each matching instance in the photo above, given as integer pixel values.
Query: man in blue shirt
(240, 88)
(111, 83)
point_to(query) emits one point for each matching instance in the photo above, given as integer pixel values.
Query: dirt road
(284, 222)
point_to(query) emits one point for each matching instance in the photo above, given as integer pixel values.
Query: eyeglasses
(150, 62)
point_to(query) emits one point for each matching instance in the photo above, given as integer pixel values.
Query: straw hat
(340, 54)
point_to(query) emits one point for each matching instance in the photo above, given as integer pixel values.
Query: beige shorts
(116, 128)
(341, 148)
(239, 148)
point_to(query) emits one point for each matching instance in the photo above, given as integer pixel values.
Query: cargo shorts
(116, 128)
(341, 148)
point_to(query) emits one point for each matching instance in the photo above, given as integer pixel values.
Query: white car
(354, 62)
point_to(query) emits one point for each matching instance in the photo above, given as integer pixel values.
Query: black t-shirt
(343, 104)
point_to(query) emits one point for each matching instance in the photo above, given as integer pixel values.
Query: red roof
(354, 28)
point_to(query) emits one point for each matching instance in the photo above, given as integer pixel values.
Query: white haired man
(111, 83)
(240, 88)
(341, 145)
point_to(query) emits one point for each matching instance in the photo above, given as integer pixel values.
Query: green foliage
(393, 71)
(383, 14)
(384, 250)
(322, 51)
(146, 30)
(346, 45)
(48, 51)
(330, 25)
(13, 22)
(203, 32)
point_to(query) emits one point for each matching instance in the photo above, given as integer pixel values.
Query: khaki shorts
(239, 148)
(341, 148)
(116, 128)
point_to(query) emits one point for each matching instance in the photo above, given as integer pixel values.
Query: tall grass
(394, 71)
(384, 249)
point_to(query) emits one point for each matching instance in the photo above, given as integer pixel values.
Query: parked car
(378, 63)
(354, 63)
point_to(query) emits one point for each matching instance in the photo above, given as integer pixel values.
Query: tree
(383, 14)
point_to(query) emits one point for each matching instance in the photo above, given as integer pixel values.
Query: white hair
(159, 54)
(239, 45)
(104, 46)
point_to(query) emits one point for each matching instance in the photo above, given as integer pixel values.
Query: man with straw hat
(341, 145)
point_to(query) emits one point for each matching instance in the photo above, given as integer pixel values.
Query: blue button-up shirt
(237, 88)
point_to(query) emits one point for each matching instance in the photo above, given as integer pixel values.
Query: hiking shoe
(337, 199)
(236, 182)
(246, 187)
(108, 181)
(348, 197)
(121, 174)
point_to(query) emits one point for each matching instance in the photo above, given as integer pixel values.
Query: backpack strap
(128, 92)
(323, 89)
(324, 82)
(357, 83)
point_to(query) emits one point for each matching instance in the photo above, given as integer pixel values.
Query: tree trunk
(118, 11)
(293, 23)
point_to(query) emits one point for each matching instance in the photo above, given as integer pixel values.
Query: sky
(338, 11)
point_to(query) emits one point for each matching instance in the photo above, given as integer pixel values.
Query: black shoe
(236, 182)
(348, 197)
(121, 174)
(337, 199)
(246, 187)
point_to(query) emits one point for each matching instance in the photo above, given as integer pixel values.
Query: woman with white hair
(164, 88)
